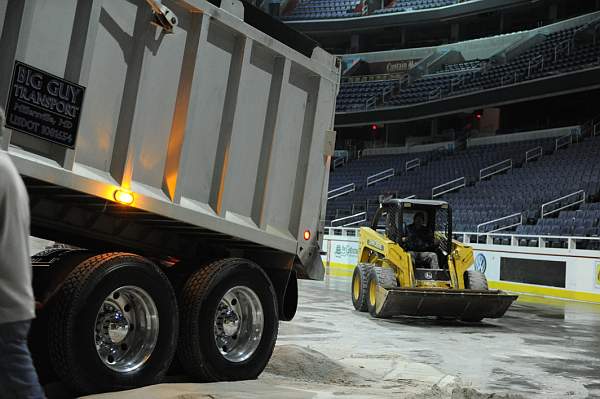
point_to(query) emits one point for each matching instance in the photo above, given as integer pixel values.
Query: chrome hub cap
(126, 329)
(239, 324)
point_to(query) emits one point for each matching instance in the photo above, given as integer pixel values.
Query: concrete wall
(473, 142)
(533, 135)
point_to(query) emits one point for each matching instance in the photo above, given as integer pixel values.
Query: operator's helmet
(419, 215)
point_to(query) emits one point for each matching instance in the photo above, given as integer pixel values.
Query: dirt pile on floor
(458, 392)
(305, 364)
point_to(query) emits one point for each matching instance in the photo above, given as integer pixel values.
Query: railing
(496, 168)
(562, 47)
(410, 197)
(341, 231)
(337, 192)
(357, 208)
(500, 227)
(435, 94)
(563, 141)
(534, 153)
(384, 197)
(579, 198)
(338, 162)
(513, 239)
(536, 62)
(386, 174)
(448, 187)
(351, 220)
(404, 82)
(412, 164)
(372, 78)
(386, 91)
(370, 103)
(541, 241)
(508, 78)
(455, 82)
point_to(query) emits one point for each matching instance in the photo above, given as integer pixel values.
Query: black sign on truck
(44, 105)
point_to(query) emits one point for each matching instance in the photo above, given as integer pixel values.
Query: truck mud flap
(464, 304)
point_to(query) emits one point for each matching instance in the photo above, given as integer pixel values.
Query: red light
(478, 116)
(373, 127)
(306, 235)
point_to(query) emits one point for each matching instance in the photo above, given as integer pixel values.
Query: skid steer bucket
(463, 304)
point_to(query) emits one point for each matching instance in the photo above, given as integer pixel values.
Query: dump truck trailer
(180, 149)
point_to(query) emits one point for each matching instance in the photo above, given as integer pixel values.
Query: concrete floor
(540, 349)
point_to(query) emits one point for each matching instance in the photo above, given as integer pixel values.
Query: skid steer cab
(409, 265)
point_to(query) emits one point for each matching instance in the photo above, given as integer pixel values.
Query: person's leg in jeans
(18, 378)
(431, 259)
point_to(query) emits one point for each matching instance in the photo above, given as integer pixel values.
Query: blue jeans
(18, 379)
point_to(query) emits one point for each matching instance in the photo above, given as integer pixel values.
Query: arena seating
(323, 9)
(412, 5)
(353, 96)
(438, 168)
(558, 53)
(461, 67)
(583, 222)
(522, 190)
(331, 9)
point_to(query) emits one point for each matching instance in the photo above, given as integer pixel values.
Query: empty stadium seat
(521, 190)
(558, 53)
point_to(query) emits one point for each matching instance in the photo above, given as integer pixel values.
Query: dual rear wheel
(116, 323)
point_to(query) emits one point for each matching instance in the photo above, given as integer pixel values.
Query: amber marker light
(123, 197)
(307, 235)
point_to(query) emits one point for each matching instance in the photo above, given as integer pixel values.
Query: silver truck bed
(217, 125)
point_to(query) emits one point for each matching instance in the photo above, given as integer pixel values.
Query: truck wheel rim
(126, 329)
(356, 288)
(372, 292)
(239, 324)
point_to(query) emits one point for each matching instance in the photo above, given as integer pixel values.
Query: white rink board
(582, 268)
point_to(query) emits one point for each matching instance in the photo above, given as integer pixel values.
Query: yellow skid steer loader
(414, 268)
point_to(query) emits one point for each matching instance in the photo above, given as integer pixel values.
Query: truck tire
(47, 253)
(104, 324)
(378, 277)
(360, 287)
(474, 280)
(46, 281)
(229, 321)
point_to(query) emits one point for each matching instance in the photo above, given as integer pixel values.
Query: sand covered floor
(540, 349)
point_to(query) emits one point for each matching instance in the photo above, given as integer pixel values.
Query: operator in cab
(421, 243)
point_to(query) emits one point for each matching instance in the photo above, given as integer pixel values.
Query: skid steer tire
(360, 287)
(217, 302)
(378, 277)
(474, 280)
(113, 325)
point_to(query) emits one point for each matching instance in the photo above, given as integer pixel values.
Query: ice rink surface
(542, 348)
